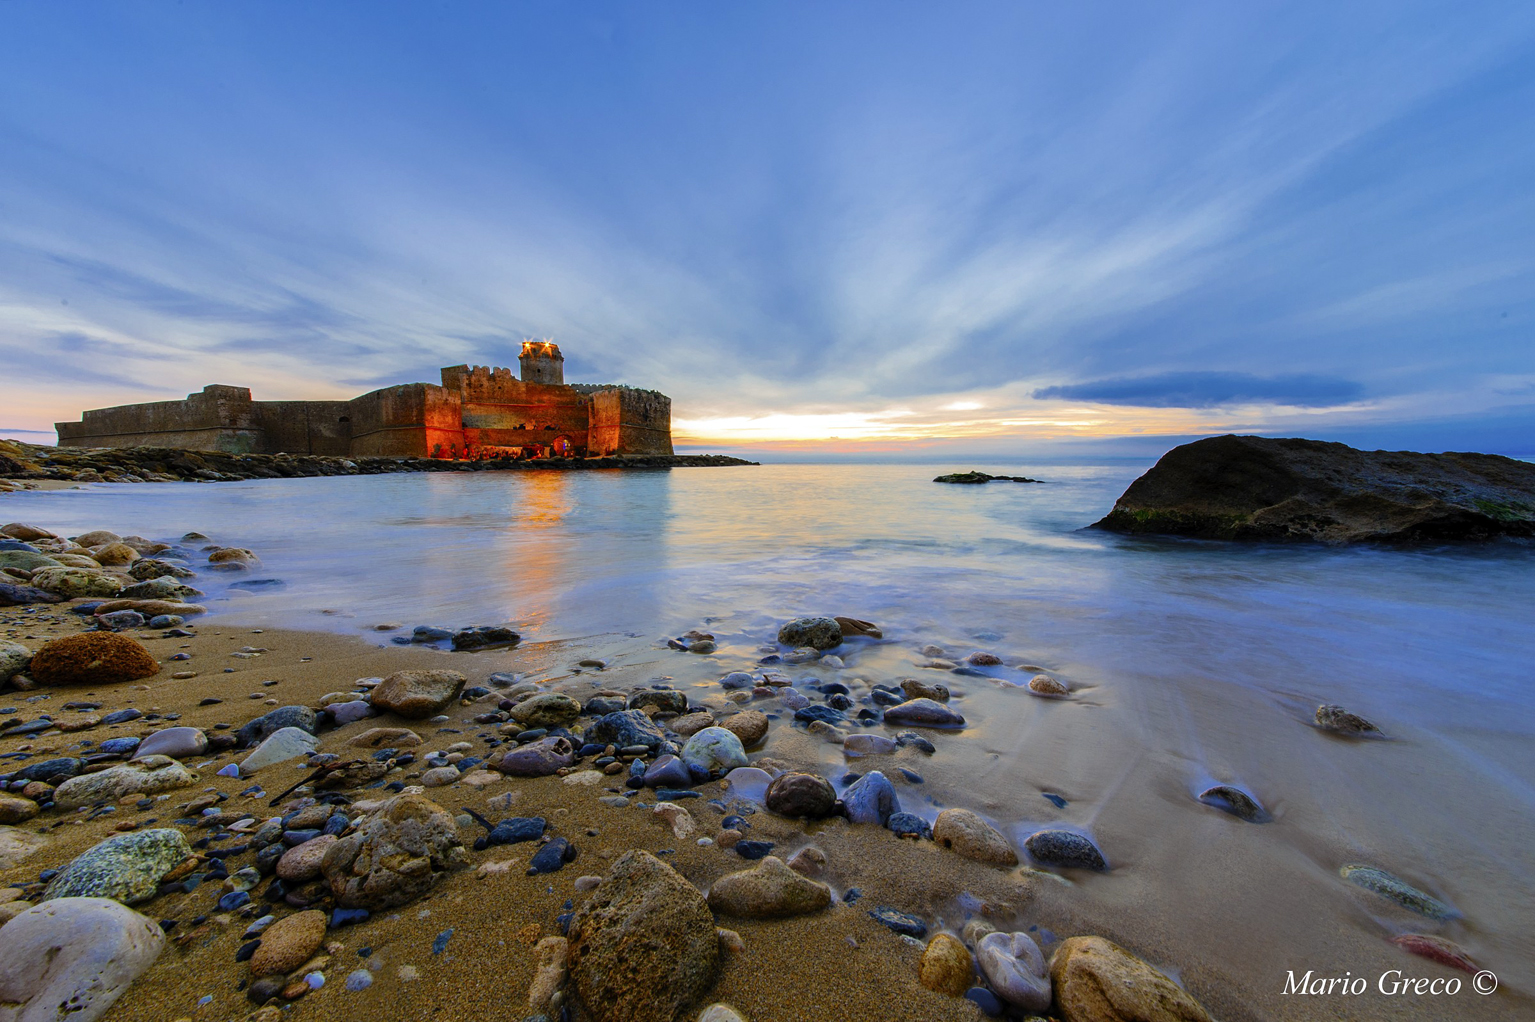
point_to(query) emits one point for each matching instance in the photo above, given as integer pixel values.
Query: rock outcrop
(1251, 488)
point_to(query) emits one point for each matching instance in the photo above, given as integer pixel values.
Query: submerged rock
(816, 632)
(125, 868)
(1048, 687)
(644, 946)
(1234, 801)
(1096, 980)
(1394, 888)
(72, 958)
(1436, 949)
(1065, 849)
(870, 799)
(770, 890)
(810, 796)
(923, 713)
(1249, 488)
(1015, 968)
(713, 753)
(1336, 718)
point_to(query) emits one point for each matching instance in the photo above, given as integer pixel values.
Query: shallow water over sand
(1191, 664)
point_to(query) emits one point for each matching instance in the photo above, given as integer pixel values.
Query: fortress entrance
(562, 447)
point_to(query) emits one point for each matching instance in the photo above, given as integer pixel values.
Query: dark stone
(13, 595)
(552, 857)
(806, 714)
(909, 825)
(265, 989)
(753, 849)
(263, 727)
(804, 795)
(1065, 849)
(915, 741)
(900, 922)
(234, 900)
(515, 830)
(624, 728)
(246, 950)
(485, 636)
(347, 916)
(430, 633)
(122, 716)
(1248, 488)
(984, 999)
(973, 478)
(50, 771)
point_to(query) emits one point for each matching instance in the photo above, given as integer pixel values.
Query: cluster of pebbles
(359, 833)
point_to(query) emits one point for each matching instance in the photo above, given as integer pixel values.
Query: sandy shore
(1224, 906)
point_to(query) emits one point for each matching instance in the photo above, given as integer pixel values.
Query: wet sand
(1226, 907)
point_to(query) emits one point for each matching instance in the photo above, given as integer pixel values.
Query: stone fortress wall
(476, 411)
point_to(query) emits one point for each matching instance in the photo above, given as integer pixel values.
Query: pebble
(870, 799)
(924, 713)
(1436, 949)
(1048, 687)
(1394, 888)
(1234, 801)
(1094, 978)
(1336, 718)
(966, 834)
(1015, 968)
(945, 966)
(900, 922)
(289, 943)
(1065, 849)
(552, 857)
(713, 752)
(753, 849)
(803, 795)
(358, 979)
(909, 825)
(868, 745)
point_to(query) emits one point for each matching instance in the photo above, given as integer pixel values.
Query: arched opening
(562, 447)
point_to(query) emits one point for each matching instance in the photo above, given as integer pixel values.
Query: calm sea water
(1194, 662)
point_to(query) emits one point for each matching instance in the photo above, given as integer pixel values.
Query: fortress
(476, 412)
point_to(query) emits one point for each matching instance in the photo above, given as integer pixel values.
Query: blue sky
(963, 228)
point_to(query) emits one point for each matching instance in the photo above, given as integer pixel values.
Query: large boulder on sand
(125, 867)
(1257, 488)
(92, 658)
(72, 959)
(644, 947)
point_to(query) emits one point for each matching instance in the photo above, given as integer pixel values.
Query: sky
(832, 229)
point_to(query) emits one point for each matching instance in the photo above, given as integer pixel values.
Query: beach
(1225, 694)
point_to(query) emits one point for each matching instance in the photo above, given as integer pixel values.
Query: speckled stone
(289, 943)
(125, 868)
(148, 776)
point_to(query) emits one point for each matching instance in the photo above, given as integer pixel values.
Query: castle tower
(542, 362)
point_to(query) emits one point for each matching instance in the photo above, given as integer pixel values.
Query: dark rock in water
(668, 772)
(484, 636)
(253, 584)
(1336, 718)
(1398, 890)
(913, 740)
(624, 728)
(552, 857)
(909, 825)
(263, 727)
(753, 849)
(666, 700)
(801, 795)
(1249, 488)
(1060, 803)
(870, 799)
(816, 632)
(825, 714)
(981, 477)
(430, 633)
(1234, 801)
(924, 713)
(900, 922)
(1065, 849)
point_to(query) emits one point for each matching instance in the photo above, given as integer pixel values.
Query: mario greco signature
(1391, 983)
